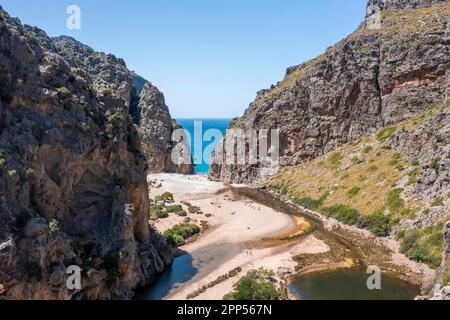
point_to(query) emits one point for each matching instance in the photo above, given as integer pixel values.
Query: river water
(348, 284)
(182, 271)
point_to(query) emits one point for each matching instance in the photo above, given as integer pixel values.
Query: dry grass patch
(362, 185)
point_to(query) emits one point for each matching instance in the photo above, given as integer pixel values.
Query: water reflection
(181, 271)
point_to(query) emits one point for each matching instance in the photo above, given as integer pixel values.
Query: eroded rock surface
(73, 185)
(110, 77)
(371, 79)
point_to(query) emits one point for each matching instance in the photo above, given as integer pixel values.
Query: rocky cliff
(373, 78)
(156, 127)
(110, 77)
(73, 187)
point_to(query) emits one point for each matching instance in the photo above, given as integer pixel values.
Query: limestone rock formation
(369, 80)
(110, 77)
(155, 127)
(73, 187)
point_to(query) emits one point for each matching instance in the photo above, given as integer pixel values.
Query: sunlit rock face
(73, 187)
(373, 78)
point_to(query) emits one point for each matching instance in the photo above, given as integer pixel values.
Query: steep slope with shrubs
(73, 187)
(393, 183)
(373, 78)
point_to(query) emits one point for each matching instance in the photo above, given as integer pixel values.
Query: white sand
(233, 223)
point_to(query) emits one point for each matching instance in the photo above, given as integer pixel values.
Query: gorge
(87, 177)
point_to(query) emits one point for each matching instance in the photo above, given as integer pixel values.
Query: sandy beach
(247, 235)
(235, 226)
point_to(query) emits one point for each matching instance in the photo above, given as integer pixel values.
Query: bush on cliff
(424, 245)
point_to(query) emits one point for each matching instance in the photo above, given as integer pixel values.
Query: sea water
(206, 124)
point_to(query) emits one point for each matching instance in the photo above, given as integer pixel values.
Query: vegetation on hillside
(363, 184)
(178, 234)
(446, 276)
(423, 245)
(162, 206)
(255, 285)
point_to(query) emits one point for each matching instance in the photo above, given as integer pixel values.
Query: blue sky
(209, 57)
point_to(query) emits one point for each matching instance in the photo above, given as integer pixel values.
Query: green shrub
(352, 192)
(194, 209)
(255, 285)
(394, 202)
(435, 164)
(377, 223)
(53, 225)
(284, 189)
(367, 149)
(107, 92)
(164, 198)
(413, 176)
(438, 202)
(342, 213)
(86, 128)
(115, 120)
(407, 212)
(424, 245)
(357, 160)
(394, 162)
(63, 91)
(446, 276)
(308, 203)
(177, 235)
(409, 240)
(386, 133)
(2, 157)
(29, 172)
(335, 159)
(181, 213)
(158, 212)
(174, 208)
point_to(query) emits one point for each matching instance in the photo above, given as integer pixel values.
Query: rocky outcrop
(73, 186)
(155, 127)
(371, 79)
(427, 143)
(110, 77)
(405, 4)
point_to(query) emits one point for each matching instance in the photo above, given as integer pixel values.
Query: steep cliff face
(110, 77)
(146, 103)
(392, 183)
(371, 79)
(155, 127)
(73, 186)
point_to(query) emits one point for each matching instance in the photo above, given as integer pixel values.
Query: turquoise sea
(203, 125)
